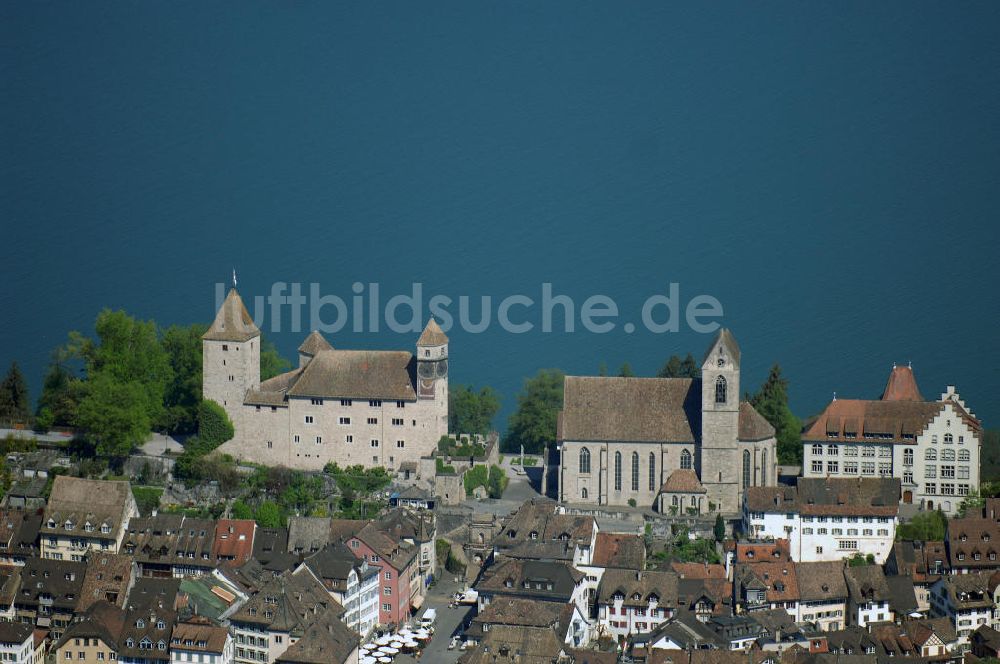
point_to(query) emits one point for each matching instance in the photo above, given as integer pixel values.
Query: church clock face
(425, 370)
(722, 361)
(442, 368)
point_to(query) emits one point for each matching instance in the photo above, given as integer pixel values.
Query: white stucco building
(827, 519)
(351, 407)
(932, 446)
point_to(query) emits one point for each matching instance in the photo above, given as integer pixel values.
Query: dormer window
(105, 529)
(68, 525)
(533, 535)
(140, 623)
(51, 523)
(160, 624)
(130, 643)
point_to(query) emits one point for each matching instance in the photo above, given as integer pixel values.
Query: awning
(417, 602)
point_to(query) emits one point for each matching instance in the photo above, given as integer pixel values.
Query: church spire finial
(234, 277)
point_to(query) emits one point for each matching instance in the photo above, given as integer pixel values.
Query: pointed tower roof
(232, 322)
(901, 386)
(432, 335)
(728, 341)
(314, 343)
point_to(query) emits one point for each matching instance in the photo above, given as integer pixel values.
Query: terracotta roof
(199, 637)
(232, 322)
(325, 641)
(99, 502)
(629, 583)
(901, 386)
(780, 579)
(824, 496)
(755, 552)
(971, 536)
(509, 576)
(849, 420)
(357, 374)
(682, 481)
(108, 577)
(599, 408)
(821, 581)
(698, 570)
(752, 425)
(314, 343)
(432, 335)
(234, 540)
(619, 550)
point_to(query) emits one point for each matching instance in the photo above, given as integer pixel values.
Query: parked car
(453, 643)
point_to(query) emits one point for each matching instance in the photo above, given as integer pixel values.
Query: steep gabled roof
(901, 386)
(683, 480)
(601, 408)
(432, 335)
(232, 322)
(357, 374)
(314, 343)
(729, 345)
(753, 426)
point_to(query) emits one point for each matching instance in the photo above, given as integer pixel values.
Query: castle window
(686, 460)
(584, 460)
(269, 444)
(375, 403)
(319, 440)
(374, 442)
(720, 389)
(309, 419)
(372, 420)
(746, 468)
(583, 493)
(346, 402)
(345, 421)
(317, 402)
(948, 440)
(397, 421)
(296, 438)
(618, 471)
(400, 443)
(635, 471)
(349, 438)
(225, 346)
(652, 471)
(400, 404)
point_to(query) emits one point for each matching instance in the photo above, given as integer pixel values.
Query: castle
(350, 407)
(677, 444)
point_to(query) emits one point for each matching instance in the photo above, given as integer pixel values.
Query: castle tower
(231, 356)
(720, 417)
(432, 371)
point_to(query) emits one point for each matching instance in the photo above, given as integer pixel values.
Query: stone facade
(621, 438)
(369, 408)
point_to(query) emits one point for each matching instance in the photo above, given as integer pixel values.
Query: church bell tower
(720, 416)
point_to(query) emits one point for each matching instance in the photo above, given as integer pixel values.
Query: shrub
(631, 502)
(214, 427)
(443, 469)
(147, 498)
(497, 482)
(476, 476)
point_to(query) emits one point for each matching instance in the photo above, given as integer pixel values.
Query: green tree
(14, 404)
(475, 477)
(720, 528)
(626, 371)
(115, 415)
(497, 482)
(183, 346)
(924, 527)
(973, 503)
(241, 510)
(214, 427)
(602, 369)
(62, 390)
(472, 412)
(533, 423)
(271, 361)
(689, 368)
(269, 515)
(990, 455)
(672, 368)
(771, 401)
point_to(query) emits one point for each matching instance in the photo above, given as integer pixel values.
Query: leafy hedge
(475, 477)
(214, 427)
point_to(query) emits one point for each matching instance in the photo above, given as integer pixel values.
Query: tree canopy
(471, 411)
(626, 371)
(14, 403)
(771, 401)
(271, 361)
(533, 423)
(675, 367)
(183, 346)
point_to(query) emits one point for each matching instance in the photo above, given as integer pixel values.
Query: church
(679, 445)
(350, 407)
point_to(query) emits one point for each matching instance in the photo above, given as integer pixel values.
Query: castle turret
(231, 356)
(432, 370)
(720, 418)
(314, 344)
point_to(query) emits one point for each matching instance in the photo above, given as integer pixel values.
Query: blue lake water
(829, 173)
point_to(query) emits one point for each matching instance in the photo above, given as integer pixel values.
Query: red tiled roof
(901, 386)
(234, 539)
(682, 481)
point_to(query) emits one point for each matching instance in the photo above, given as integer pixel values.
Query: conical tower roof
(314, 343)
(232, 322)
(432, 335)
(901, 386)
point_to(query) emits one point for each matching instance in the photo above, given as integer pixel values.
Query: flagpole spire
(234, 277)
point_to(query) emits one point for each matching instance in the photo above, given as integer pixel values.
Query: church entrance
(908, 497)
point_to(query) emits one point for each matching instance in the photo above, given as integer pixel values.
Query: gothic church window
(584, 460)
(618, 471)
(635, 471)
(720, 389)
(652, 472)
(686, 460)
(746, 468)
